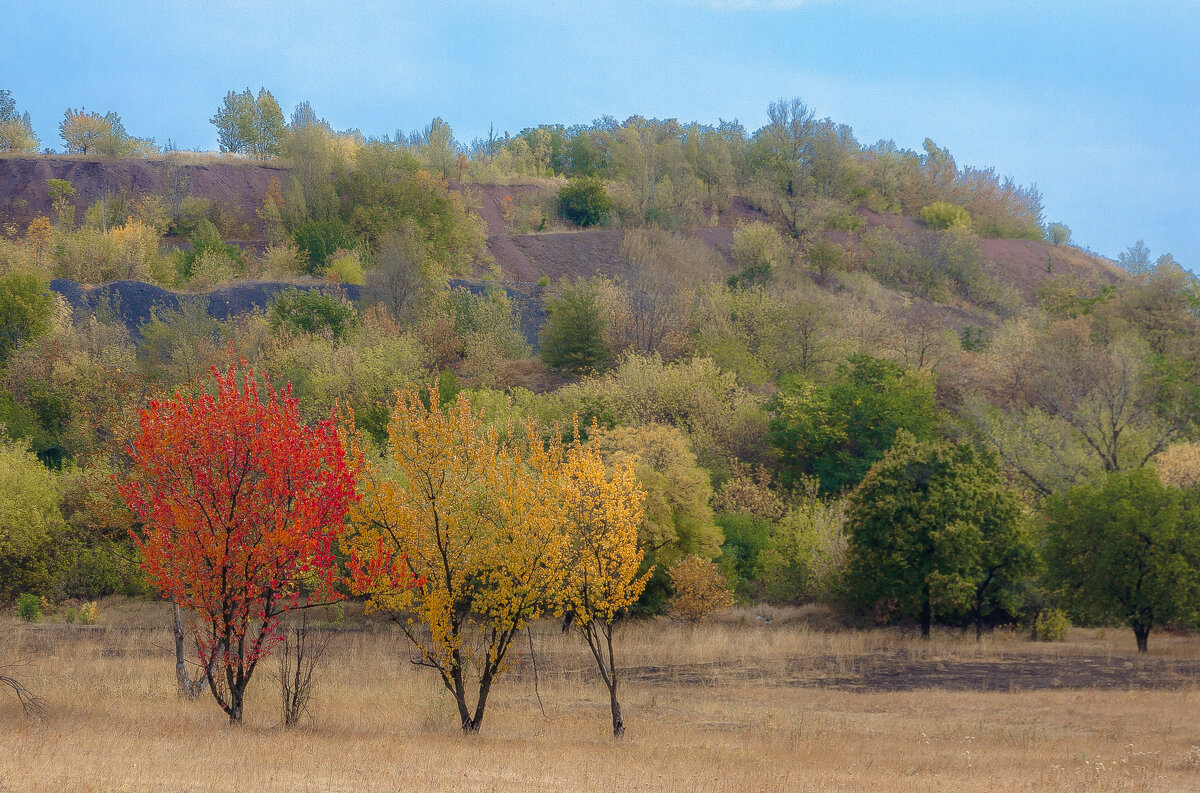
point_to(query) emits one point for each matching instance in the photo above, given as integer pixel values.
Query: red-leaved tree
(240, 504)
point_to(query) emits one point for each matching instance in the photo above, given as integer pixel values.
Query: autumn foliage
(240, 505)
(700, 590)
(467, 534)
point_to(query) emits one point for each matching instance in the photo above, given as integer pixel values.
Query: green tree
(29, 518)
(268, 126)
(837, 432)
(26, 307)
(250, 125)
(584, 201)
(942, 215)
(933, 529)
(234, 121)
(1126, 548)
(573, 336)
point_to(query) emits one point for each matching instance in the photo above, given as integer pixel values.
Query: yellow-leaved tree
(603, 556)
(460, 539)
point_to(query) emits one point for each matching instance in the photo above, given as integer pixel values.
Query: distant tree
(933, 529)
(758, 251)
(825, 257)
(403, 278)
(836, 432)
(1126, 548)
(92, 133)
(16, 129)
(1135, 258)
(438, 148)
(584, 201)
(234, 121)
(1059, 233)
(269, 127)
(250, 125)
(573, 336)
(82, 131)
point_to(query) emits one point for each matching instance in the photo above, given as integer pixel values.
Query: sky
(1097, 102)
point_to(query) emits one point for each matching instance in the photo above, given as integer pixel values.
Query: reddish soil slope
(24, 193)
(523, 258)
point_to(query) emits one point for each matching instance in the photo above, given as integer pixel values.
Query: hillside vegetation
(848, 373)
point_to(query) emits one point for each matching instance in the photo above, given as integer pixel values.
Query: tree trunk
(618, 721)
(192, 689)
(1142, 634)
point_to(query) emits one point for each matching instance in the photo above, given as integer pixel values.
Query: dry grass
(715, 709)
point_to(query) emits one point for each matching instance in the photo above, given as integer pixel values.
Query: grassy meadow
(739, 704)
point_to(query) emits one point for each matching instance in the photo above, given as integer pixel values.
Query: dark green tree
(584, 201)
(934, 530)
(1126, 548)
(836, 432)
(573, 336)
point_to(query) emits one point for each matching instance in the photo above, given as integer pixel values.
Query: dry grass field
(739, 705)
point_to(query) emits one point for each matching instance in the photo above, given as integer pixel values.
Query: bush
(1051, 625)
(89, 613)
(941, 215)
(584, 201)
(345, 267)
(311, 312)
(700, 589)
(29, 607)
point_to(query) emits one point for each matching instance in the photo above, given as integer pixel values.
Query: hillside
(523, 258)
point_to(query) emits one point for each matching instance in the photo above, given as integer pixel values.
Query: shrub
(89, 613)
(584, 201)
(1059, 233)
(311, 312)
(345, 267)
(700, 589)
(29, 607)
(942, 215)
(1051, 625)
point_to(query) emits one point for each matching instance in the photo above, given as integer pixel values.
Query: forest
(778, 366)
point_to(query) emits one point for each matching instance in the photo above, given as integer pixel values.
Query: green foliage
(26, 308)
(310, 311)
(320, 240)
(250, 125)
(29, 607)
(1051, 625)
(1058, 234)
(346, 268)
(1126, 549)
(678, 520)
(942, 215)
(584, 201)
(746, 537)
(29, 519)
(934, 532)
(806, 551)
(206, 243)
(837, 432)
(573, 336)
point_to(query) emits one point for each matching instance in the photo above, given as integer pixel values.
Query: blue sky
(1097, 102)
